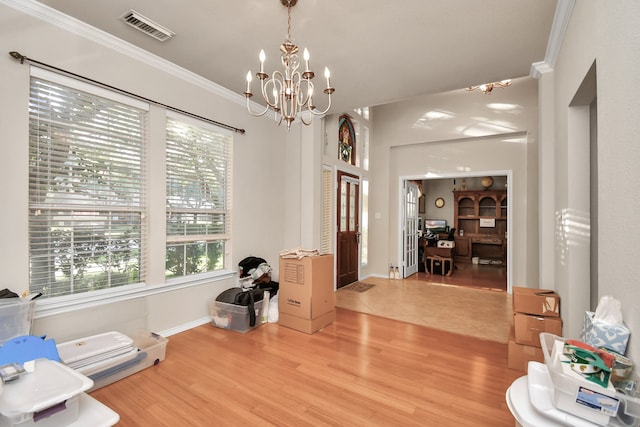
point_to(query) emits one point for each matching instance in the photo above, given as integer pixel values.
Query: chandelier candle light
(289, 92)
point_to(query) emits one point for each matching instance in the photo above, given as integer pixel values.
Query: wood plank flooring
(470, 275)
(362, 370)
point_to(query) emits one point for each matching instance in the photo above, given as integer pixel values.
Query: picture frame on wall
(422, 204)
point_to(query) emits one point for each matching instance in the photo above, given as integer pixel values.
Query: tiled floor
(476, 309)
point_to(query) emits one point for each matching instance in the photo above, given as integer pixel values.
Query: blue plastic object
(28, 347)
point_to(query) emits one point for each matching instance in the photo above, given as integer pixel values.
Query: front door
(348, 238)
(411, 237)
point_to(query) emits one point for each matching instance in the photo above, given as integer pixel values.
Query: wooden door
(348, 238)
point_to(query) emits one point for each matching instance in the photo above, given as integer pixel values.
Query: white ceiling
(378, 51)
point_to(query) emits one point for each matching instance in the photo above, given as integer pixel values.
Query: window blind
(326, 233)
(198, 166)
(86, 188)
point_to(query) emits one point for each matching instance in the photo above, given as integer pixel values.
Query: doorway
(411, 237)
(478, 261)
(348, 226)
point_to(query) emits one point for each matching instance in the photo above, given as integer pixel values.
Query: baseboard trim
(184, 327)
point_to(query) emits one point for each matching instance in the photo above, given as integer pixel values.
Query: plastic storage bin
(234, 317)
(94, 414)
(87, 355)
(16, 316)
(152, 350)
(47, 396)
(576, 395)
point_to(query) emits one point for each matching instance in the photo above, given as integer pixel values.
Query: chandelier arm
(256, 114)
(321, 113)
(276, 85)
(301, 116)
(303, 96)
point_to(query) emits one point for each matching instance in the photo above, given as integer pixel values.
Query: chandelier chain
(289, 23)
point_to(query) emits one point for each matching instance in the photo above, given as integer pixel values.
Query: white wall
(607, 33)
(260, 165)
(331, 160)
(452, 134)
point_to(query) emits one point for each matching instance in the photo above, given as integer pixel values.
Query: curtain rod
(22, 58)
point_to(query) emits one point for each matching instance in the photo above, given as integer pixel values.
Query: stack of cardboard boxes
(306, 298)
(534, 311)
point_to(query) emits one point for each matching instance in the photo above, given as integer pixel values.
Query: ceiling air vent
(146, 25)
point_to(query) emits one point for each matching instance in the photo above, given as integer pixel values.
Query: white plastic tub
(576, 395)
(46, 396)
(84, 353)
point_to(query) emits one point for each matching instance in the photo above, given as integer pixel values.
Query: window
(363, 111)
(198, 181)
(364, 260)
(365, 148)
(90, 190)
(86, 187)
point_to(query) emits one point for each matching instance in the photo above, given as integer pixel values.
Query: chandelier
(288, 93)
(488, 87)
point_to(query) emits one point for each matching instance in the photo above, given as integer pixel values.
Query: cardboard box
(599, 334)
(520, 355)
(540, 302)
(308, 326)
(306, 288)
(528, 328)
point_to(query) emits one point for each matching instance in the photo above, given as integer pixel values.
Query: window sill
(69, 303)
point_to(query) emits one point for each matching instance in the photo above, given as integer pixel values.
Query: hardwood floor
(360, 370)
(471, 275)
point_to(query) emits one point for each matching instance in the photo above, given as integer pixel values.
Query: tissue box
(598, 334)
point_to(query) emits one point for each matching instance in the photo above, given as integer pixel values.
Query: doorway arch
(401, 255)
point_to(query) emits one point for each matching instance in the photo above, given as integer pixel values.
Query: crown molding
(539, 68)
(82, 29)
(561, 19)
